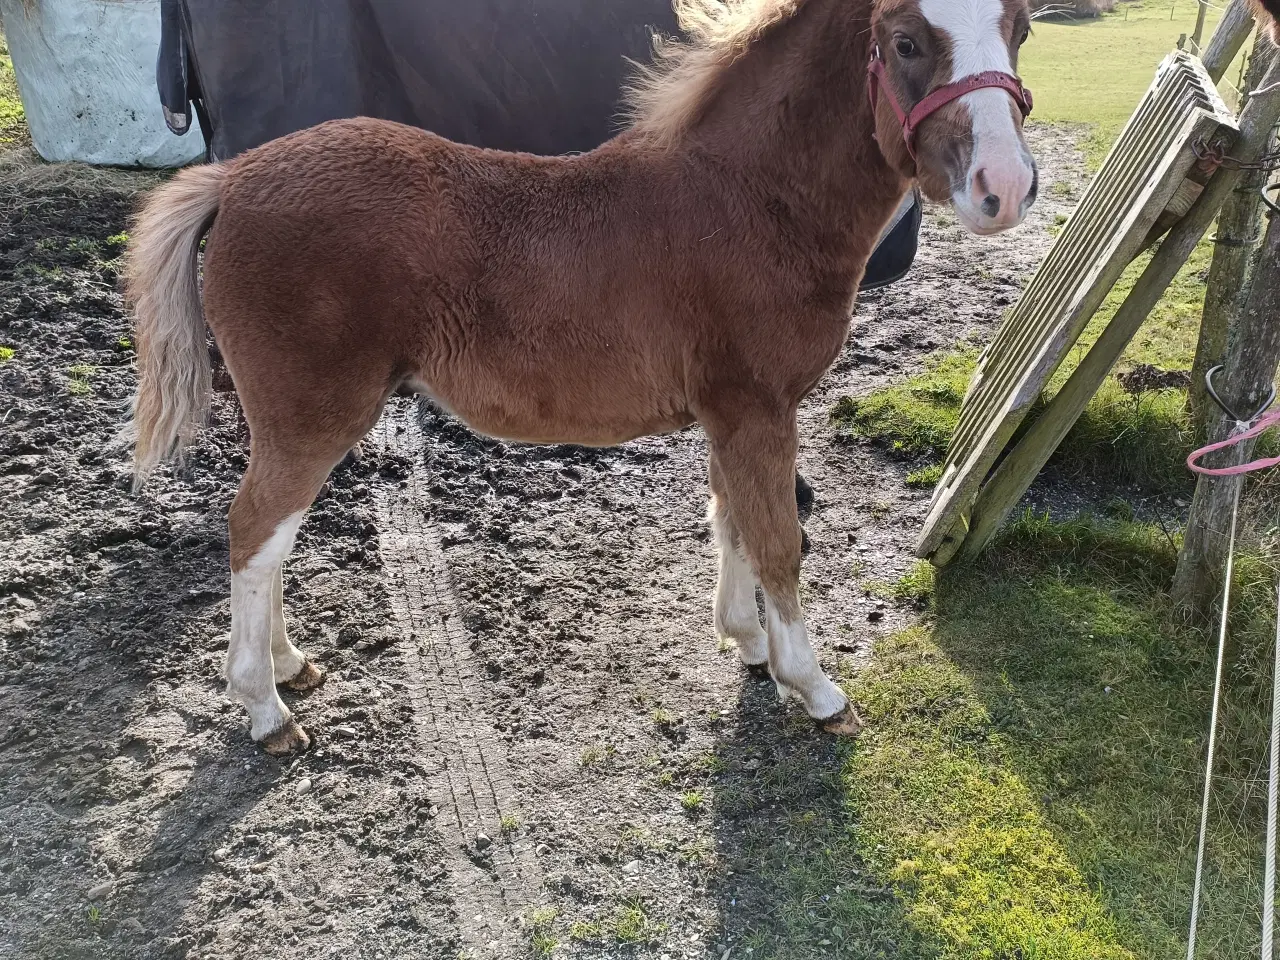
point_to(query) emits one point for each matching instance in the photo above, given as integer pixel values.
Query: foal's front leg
(736, 615)
(756, 457)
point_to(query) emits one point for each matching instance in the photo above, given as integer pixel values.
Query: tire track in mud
(495, 878)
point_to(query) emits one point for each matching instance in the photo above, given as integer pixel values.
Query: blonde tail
(162, 286)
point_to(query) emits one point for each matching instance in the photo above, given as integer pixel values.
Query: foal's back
(577, 299)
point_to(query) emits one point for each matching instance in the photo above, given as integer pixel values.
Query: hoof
(758, 671)
(308, 678)
(846, 723)
(804, 494)
(288, 739)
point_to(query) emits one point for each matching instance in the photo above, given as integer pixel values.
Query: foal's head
(969, 150)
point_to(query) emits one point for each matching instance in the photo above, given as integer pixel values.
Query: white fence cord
(1273, 801)
(1213, 720)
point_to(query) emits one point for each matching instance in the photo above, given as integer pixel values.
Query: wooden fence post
(1197, 36)
(1251, 363)
(1228, 39)
(1237, 238)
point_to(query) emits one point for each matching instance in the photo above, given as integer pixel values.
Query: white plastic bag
(86, 71)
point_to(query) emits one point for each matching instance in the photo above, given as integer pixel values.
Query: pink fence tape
(1260, 427)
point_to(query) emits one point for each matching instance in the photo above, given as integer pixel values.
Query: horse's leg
(756, 453)
(291, 667)
(288, 464)
(276, 491)
(736, 616)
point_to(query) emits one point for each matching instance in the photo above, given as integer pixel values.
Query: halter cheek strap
(878, 82)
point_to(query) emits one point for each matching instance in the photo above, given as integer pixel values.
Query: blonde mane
(666, 99)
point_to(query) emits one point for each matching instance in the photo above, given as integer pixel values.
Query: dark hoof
(288, 739)
(308, 678)
(758, 671)
(846, 723)
(804, 494)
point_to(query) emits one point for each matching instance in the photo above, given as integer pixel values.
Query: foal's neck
(794, 113)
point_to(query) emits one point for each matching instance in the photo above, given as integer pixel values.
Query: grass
(540, 923)
(664, 718)
(629, 924)
(13, 121)
(594, 755)
(1139, 439)
(79, 380)
(1095, 71)
(1028, 783)
(925, 478)
(632, 924)
(917, 584)
(915, 418)
(6, 354)
(692, 801)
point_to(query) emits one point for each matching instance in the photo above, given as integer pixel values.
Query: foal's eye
(1026, 35)
(905, 46)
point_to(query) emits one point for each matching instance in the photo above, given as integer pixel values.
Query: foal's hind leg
(736, 615)
(265, 518)
(284, 476)
(292, 669)
(756, 453)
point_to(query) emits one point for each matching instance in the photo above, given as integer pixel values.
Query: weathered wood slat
(1140, 179)
(1026, 460)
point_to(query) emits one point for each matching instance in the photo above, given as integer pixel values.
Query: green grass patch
(79, 380)
(1096, 71)
(13, 120)
(692, 801)
(917, 584)
(1139, 438)
(6, 354)
(629, 924)
(540, 923)
(1029, 780)
(915, 418)
(925, 478)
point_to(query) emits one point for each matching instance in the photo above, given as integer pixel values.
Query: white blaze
(978, 45)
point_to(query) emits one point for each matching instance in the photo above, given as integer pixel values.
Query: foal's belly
(599, 408)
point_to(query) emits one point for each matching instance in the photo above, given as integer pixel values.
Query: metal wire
(1273, 802)
(1213, 720)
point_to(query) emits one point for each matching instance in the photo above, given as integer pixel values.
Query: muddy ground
(526, 707)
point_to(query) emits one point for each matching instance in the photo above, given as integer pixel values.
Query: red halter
(939, 98)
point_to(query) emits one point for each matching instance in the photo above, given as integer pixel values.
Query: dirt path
(528, 730)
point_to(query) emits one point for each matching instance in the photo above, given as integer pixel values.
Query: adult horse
(699, 267)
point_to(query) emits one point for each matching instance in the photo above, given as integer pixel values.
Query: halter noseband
(937, 99)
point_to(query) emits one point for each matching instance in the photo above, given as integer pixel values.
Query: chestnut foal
(700, 267)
